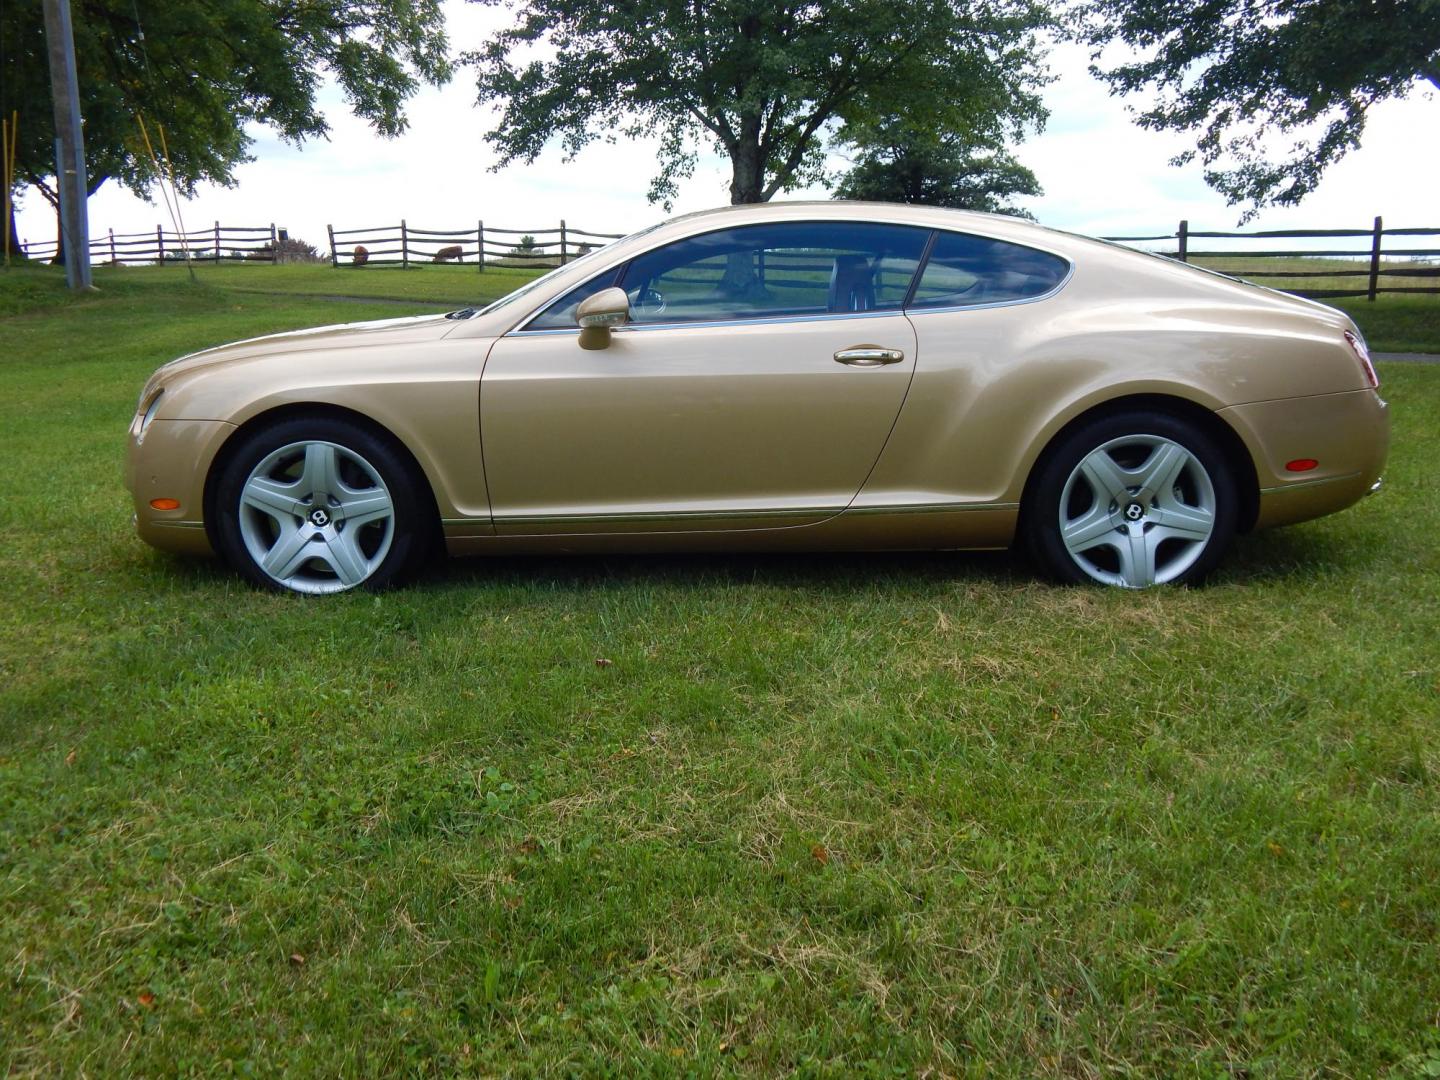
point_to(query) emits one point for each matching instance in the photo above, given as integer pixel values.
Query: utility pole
(69, 145)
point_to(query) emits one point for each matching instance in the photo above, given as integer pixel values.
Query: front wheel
(1132, 500)
(321, 505)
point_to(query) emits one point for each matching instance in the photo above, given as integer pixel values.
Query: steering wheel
(649, 302)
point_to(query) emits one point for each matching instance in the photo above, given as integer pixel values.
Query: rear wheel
(321, 505)
(1132, 500)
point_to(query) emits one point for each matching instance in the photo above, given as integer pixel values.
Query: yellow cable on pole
(8, 131)
(168, 173)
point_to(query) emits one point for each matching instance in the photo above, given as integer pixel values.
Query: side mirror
(597, 314)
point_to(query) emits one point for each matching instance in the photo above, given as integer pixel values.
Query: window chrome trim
(775, 320)
(621, 267)
(762, 320)
(936, 230)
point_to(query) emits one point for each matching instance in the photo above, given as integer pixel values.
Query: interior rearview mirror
(597, 314)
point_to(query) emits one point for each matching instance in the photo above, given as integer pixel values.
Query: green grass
(838, 815)
(1390, 323)
(1397, 323)
(444, 283)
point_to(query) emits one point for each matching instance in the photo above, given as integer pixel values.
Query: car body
(812, 376)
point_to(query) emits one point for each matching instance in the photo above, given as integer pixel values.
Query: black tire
(1118, 530)
(303, 535)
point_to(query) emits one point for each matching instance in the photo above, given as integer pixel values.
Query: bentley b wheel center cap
(319, 517)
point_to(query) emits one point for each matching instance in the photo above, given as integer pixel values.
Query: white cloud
(1101, 173)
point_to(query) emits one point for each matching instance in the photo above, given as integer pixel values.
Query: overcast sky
(1101, 174)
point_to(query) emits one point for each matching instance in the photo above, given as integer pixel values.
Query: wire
(173, 208)
(9, 128)
(168, 172)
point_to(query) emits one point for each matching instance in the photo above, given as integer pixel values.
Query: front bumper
(171, 461)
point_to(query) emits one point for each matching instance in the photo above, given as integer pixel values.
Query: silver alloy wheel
(1137, 511)
(316, 517)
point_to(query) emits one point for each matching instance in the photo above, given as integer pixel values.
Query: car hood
(379, 332)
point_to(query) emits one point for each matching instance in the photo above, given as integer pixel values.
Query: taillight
(1357, 346)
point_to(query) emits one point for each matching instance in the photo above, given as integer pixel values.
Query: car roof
(857, 210)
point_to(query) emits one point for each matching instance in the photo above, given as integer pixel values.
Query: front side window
(777, 269)
(964, 271)
(560, 315)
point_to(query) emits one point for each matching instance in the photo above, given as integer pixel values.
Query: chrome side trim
(177, 524)
(931, 508)
(1300, 485)
(667, 515)
(724, 515)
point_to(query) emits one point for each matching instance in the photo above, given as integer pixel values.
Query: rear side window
(963, 271)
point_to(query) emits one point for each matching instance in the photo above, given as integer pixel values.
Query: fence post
(113, 260)
(404, 246)
(480, 235)
(1184, 235)
(334, 255)
(563, 252)
(160, 243)
(274, 246)
(1375, 260)
(217, 241)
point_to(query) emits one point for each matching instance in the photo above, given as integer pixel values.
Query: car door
(755, 387)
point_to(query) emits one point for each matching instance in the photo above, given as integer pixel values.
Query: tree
(936, 169)
(764, 82)
(201, 70)
(1247, 74)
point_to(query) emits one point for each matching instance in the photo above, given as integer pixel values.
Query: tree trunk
(59, 259)
(740, 281)
(747, 184)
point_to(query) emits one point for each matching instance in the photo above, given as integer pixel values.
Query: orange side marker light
(165, 504)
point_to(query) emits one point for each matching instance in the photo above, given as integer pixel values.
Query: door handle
(869, 356)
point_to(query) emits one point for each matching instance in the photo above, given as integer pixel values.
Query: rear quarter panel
(993, 386)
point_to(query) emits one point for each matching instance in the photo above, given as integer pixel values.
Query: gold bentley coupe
(790, 376)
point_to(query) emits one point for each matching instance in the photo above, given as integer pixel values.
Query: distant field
(1356, 273)
(444, 283)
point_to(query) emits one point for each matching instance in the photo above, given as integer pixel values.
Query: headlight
(148, 415)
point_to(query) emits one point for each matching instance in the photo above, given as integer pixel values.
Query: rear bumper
(1348, 434)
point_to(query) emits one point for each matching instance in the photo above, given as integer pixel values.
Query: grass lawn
(842, 815)
(1391, 323)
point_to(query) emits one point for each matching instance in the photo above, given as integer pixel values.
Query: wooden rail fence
(404, 245)
(218, 243)
(1370, 261)
(1386, 261)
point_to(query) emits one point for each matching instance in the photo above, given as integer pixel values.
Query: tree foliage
(896, 164)
(1253, 77)
(764, 83)
(202, 70)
